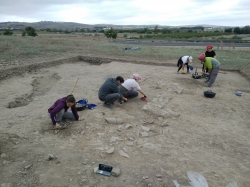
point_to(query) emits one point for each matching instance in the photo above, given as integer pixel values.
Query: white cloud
(177, 12)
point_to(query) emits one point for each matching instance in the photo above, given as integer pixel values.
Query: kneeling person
(109, 91)
(59, 110)
(131, 87)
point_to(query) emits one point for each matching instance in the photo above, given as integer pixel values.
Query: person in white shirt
(184, 60)
(130, 87)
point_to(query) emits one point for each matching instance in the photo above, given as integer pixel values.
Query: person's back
(131, 84)
(109, 91)
(108, 87)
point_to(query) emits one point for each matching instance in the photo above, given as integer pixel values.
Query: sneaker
(206, 85)
(107, 105)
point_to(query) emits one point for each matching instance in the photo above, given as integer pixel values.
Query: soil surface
(158, 141)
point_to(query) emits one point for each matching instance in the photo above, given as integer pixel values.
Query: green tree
(229, 30)
(110, 33)
(23, 33)
(8, 32)
(237, 30)
(30, 31)
(156, 30)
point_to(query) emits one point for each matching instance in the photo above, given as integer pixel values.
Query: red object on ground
(144, 99)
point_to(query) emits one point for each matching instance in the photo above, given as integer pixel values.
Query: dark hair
(70, 99)
(121, 79)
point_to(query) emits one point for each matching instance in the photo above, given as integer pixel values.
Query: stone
(28, 166)
(128, 126)
(50, 157)
(113, 139)
(130, 143)
(122, 153)
(6, 185)
(116, 171)
(95, 169)
(144, 134)
(145, 128)
(144, 177)
(3, 155)
(111, 150)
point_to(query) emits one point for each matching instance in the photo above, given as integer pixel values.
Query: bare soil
(176, 131)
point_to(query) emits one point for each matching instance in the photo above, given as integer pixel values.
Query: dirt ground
(176, 131)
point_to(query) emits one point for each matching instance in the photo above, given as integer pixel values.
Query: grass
(54, 46)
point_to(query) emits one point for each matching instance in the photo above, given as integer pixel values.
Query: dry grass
(17, 50)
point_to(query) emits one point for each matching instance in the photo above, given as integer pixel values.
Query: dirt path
(178, 130)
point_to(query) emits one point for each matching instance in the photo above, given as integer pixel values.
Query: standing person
(130, 87)
(209, 53)
(109, 91)
(213, 66)
(184, 60)
(59, 110)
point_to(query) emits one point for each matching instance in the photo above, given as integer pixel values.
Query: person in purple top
(59, 110)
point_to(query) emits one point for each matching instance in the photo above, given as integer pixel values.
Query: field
(176, 131)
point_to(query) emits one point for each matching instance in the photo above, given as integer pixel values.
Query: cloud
(177, 12)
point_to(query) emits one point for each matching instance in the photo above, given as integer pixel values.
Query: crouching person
(59, 110)
(109, 92)
(131, 87)
(184, 60)
(213, 66)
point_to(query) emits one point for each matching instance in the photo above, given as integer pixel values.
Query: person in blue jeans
(109, 92)
(59, 110)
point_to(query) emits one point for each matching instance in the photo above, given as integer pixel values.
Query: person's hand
(80, 118)
(125, 99)
(58, 126)
(145, 96)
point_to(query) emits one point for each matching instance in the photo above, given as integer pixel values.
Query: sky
(129, 12)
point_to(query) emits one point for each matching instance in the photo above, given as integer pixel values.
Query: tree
(237, 30)
(30, 31)
(156, 30)
(229, 30)
(110, 33)
(8, 32)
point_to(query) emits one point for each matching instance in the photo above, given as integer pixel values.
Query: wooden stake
(74, 86)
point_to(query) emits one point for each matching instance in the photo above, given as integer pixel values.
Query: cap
(190, 58)
(136, 76)
(209, 47)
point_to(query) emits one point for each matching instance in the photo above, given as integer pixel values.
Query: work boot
(107, 105)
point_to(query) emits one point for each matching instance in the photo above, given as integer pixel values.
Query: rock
(111, 150)
(6, 185)
(28, 166)
(113, 139)
(165, 123)
(100, 134)
(116, 171)
(119, 127)
(95, 169)
(130, 143)
(122, 153)
(85, 162)
(50, 157)
(128, 126)
(100, 148)
(145, 128)
(158, 175)
(144, 134)
(3, 155)
(144, 177)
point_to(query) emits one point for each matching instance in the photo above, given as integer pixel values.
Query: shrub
(8, 32)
